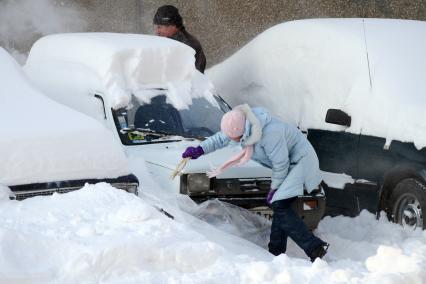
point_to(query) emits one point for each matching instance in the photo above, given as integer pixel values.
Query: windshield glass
(160, 121)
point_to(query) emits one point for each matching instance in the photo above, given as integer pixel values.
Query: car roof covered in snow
(373, 69)
(118, 64)
(43, 141)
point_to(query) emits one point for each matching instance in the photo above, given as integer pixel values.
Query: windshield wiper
(146, 132)
(160, 134)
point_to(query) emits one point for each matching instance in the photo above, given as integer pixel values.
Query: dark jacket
(200, 59)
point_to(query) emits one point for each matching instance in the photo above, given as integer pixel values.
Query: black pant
(286, 223)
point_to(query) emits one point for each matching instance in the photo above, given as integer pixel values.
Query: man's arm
(200, 61)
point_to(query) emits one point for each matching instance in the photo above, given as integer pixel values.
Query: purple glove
(270, 196)
(193, 152)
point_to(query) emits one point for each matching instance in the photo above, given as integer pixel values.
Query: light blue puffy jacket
(282, 148)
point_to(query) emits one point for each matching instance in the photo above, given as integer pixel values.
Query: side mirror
(336, 116)
(99, 97)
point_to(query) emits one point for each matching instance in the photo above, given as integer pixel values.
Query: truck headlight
(129, 187)
(129, 183)
(198, 183)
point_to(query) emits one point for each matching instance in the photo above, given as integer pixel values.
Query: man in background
(168, 23)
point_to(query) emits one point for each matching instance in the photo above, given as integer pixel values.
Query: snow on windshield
(124, 64)
(43, 141)
(301, 69)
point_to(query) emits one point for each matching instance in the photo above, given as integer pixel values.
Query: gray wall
(222, 26)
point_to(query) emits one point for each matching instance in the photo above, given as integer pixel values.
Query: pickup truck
(47, 148)
(146, 90)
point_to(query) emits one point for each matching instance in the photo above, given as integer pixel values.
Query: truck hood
(168, 155)
(43, 141)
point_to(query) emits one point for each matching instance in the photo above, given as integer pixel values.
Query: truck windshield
(159, 121)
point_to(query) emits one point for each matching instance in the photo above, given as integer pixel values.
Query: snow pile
(117, 65)
(101, 234)
(42, 141)
(301, 69)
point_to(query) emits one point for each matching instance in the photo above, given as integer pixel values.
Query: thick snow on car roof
(373, 69)
(44, 141)
(118, 65)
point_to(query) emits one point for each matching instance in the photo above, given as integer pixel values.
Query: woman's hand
(193, 152)
(270, 196)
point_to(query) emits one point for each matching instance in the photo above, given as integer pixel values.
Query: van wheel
(408, 202)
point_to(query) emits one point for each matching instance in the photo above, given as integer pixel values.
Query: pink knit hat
(233, 123)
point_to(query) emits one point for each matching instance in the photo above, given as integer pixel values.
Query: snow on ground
(103, 235)
(368, 68)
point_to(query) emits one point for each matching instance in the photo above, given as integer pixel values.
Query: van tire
(408, 203)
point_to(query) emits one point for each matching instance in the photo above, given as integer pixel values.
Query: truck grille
(223, 187)
(21, 195)
(128, 183)
(246, 187)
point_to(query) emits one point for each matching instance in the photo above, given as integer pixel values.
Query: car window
(160, 121)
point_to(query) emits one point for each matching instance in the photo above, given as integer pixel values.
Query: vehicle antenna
(366, 51)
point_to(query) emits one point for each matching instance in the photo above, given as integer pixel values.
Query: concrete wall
(222, 26)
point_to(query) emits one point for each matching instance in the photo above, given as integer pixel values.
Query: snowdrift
(101, 234)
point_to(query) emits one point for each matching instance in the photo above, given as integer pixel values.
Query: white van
(357, 87)
(146, 90)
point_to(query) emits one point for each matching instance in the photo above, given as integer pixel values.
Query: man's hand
(193, 152)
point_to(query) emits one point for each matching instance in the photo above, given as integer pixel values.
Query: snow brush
(164, 212)
(180, 167)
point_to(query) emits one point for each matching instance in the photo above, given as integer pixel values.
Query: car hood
(168, 155)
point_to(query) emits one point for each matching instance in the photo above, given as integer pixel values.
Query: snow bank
(117, 65)
(101, 234)
(42, 141)
(301, 69)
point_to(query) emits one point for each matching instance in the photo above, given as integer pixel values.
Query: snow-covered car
(148, 92)
(357, 88)
(46, 147)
